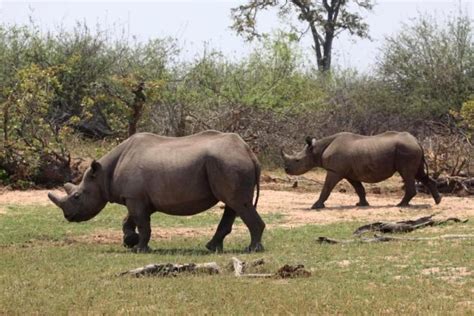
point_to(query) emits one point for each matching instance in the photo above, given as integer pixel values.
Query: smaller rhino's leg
(216, 244)
(141, 217)
(410, 191)
(359, 188)
(130, 237)
(332, 179)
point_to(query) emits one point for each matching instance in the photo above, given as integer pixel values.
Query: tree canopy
(325, 20)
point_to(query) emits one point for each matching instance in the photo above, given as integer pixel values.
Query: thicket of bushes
(96, 85)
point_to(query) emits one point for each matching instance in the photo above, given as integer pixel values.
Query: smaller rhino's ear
(96, 167)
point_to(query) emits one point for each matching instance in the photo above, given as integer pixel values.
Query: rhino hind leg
(216, 244)
(254, 223)
(410, 191)
(359, 188)
(429, 183)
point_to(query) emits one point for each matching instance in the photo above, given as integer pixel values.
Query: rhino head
(302, 161)
(86, 200)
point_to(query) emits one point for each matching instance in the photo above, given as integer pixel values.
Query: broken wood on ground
(404, 226)
(172, 269)
(451, 184)
(237, 266)
(382, 238)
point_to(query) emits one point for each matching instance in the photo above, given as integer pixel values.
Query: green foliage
(30, 139)
(93, 82)
(467, 112)
(271, 77)
(467, 115)
(430, 66)
(325, 21)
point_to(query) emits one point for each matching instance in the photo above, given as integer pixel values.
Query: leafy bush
(33, 147)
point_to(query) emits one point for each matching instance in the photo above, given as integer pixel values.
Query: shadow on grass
(180, 251)
(370, 207)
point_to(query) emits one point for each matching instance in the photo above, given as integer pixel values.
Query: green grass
(42, 271)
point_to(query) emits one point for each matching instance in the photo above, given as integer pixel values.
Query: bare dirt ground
(278, 195)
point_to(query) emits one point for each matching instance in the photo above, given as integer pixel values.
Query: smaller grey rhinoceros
(174, 175)
(359, 158)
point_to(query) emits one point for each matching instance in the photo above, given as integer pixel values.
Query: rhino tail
(423, 170)
(257, 175)
(423, 176)
(257, 179)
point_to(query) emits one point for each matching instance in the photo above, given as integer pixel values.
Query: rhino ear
(95, 167)
(311, 141)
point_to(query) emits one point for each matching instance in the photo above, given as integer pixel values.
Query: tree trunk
(137, 108)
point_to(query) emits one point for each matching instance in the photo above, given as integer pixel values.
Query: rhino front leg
(216, 244)
(130, 237)
(332, 179)
(141, 217)
(359, 188)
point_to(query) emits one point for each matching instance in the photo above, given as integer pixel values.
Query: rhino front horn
(54, 199)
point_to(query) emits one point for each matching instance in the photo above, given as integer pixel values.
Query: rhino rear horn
(69, 188)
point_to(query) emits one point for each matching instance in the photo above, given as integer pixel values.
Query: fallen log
(285, 272)
(404, 226)
(384, 238)
(239, 268)
(451, 184)
(172, 269)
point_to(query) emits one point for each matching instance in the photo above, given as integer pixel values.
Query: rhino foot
(317, 206)
(130, 240)
(137, 249)
(437, 199)
(215, 247)
(362, 203)
(256, 248)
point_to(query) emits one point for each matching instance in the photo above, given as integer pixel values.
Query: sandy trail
(294, 205)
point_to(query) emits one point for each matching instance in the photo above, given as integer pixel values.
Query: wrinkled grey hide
(358, 159)
(179, 176)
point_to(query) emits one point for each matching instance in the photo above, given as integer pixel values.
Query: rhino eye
(77, 195)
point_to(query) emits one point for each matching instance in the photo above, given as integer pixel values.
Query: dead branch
(404, 226)
(171, 269)
(452, 184)
(383, 238)
(239, 268)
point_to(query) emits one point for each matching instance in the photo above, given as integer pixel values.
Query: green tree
(429, 65)
(33, 147)
(325, 20)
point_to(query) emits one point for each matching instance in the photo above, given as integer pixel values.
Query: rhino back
(180, 175)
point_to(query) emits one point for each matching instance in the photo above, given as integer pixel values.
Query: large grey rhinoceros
(359, 158)
(173, 175)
